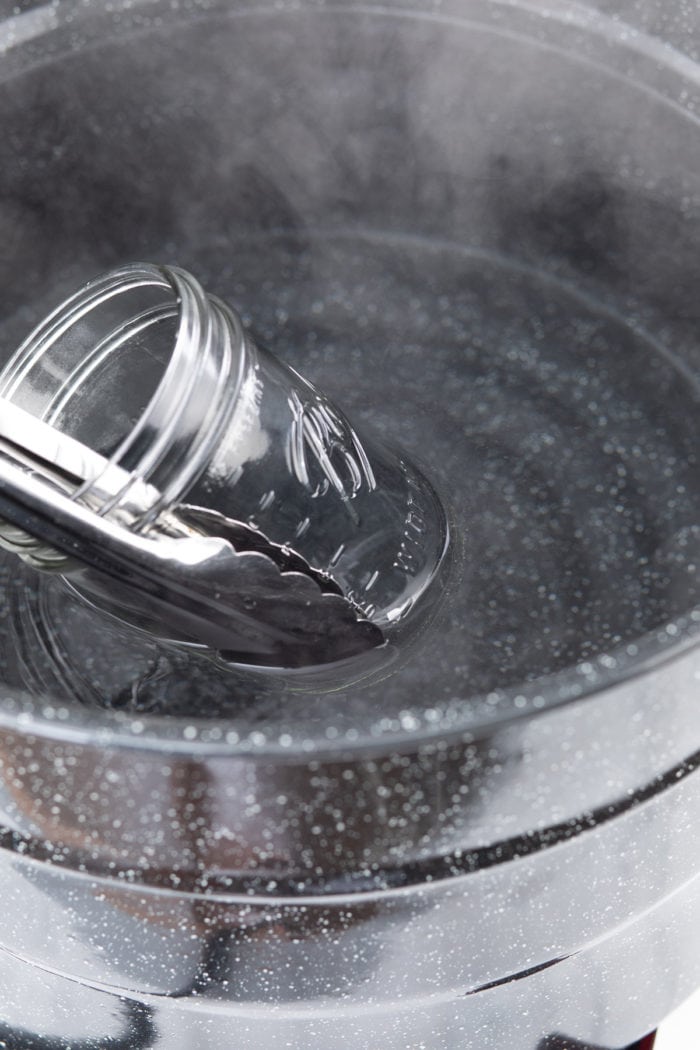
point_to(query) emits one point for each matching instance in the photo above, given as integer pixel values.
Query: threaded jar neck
(145, 336)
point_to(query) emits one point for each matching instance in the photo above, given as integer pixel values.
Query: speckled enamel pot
(475, 223)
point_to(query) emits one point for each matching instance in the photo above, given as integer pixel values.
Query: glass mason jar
(474, 224)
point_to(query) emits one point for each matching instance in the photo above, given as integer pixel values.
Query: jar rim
(170, 444)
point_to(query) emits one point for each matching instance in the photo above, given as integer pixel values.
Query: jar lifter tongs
(233, 591)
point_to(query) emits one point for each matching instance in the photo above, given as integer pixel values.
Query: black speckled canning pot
(496, 846)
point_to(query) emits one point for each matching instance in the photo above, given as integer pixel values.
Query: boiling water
(562, 437)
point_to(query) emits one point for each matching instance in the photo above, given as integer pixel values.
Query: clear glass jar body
(475, 851)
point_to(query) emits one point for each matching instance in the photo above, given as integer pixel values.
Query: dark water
(561, 435)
